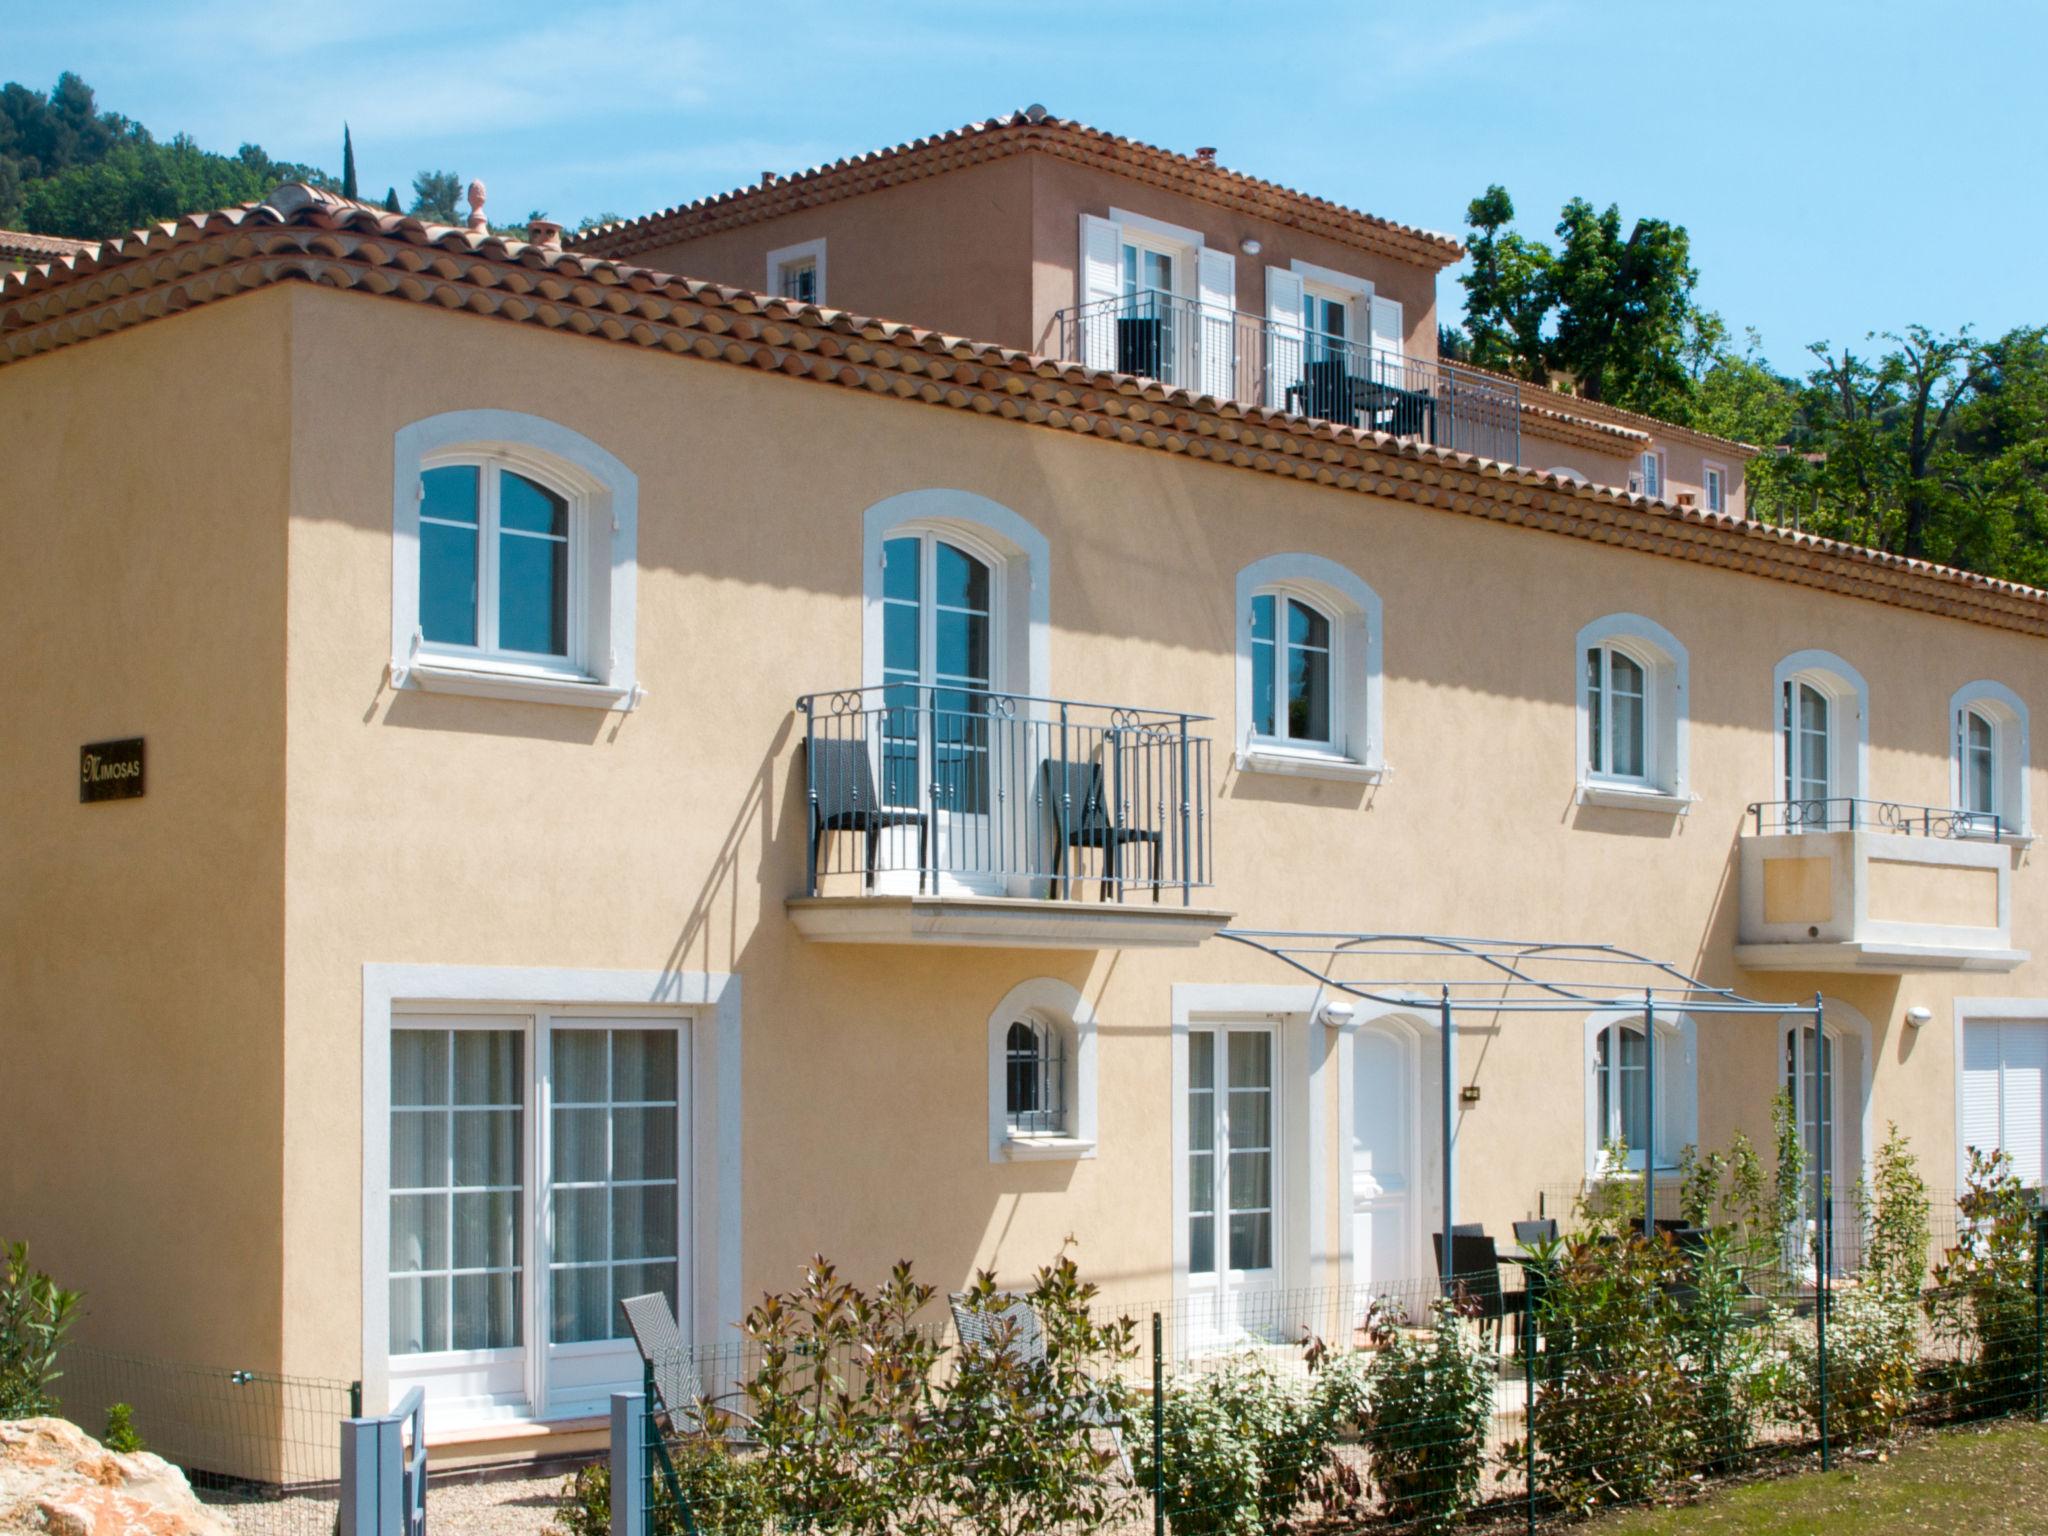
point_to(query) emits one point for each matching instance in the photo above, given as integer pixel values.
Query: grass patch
(1986, 1481)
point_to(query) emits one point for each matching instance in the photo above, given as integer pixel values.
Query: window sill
(1297, 764)
(1046, 1149)
(524, 687)
(1623, 797)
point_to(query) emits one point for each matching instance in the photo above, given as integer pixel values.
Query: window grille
(1035, 1077)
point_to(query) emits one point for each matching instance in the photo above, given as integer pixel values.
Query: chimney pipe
(545, 232)
(1206, 155)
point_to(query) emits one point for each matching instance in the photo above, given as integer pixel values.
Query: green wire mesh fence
(263, 1449)
(1614, 1371)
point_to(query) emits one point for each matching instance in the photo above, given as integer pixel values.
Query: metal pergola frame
(1454, 974)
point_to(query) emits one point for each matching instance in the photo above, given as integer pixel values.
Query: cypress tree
(348, 164)
(391, 200)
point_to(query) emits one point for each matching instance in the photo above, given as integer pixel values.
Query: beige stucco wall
(434, 829)
(143, 499)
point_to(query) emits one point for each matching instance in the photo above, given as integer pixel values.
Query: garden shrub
(1983, 1296)
(724, 1491)
(35, 1314)
(1430, 1399)
(1896, 1214)
(120, 1435)
(1723, 1354)
(1873, 1353)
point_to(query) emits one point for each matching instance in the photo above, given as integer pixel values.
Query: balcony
(1868, 885)
(951, 815)
(1255, 361)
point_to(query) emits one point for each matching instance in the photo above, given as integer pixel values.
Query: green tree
(348, 165)
(1507, 295)
(434, 194)
(141, 181)
(391, 200)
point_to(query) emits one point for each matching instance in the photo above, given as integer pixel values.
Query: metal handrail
(806, 701)
(1848, 813)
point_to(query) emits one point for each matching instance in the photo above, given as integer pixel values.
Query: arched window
(1823, 729)
(1041, 1074)
(1617, 1105)
(513, 564)
(1633, 735)
(1308, 670)
(1988, 765)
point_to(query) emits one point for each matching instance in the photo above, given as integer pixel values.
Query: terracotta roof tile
(1019, 133)
(19, 242)
(1542, 399)
(299, 235)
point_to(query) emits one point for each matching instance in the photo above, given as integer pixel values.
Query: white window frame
(2006, 713)
(705, 1006)
(1678, 1112)
(1650, 473)
(1666, 785)
(1848, 721)
(604, 534)
(1053, 1005)
(1708, 470)
(1356, 750)
(812, 251)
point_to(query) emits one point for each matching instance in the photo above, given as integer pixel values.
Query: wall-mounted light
(1337, 1013)
(1249, 246)
(1469, 1094)
(1917, 1016)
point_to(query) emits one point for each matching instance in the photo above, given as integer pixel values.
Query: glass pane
(899, 641)
(486, 1231)
(638, 1280)
(1251, 1122)
(419, 1066)
(1202, 1244)
(962, 647)
(419, 1315)
(1201, 1182)
(643, 1066)
(1201, 1121)
(582, 1225)
(531, 508)
(487, 1066)
(900, 575)
(1251, 1241)
(486, 1311)
(643, 1144)
(1251, 1059)
(580, 1152)
(1251, 1181)
(449, 494)
(419, 1149)
(583, 1304)
(487, 1147)
(1596, 707)
(1308, 695)
(1262, 617)
(419, 1233)
(580, 1071)
(533, 594)
(448, 564)
(1201, 1061)
(1628, 733)
(1305, 626)
(1263, 722)
(644, 1221)
(961, 580)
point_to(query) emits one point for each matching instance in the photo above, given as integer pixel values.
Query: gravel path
(456, 1506)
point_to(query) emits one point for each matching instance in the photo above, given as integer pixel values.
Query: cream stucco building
(494, 935)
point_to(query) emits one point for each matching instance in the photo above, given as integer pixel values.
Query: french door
(938, 672)
(1819, 1135)
(1809, 756)
(1233, 1187)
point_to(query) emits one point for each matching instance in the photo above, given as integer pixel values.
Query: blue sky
(1842, 167)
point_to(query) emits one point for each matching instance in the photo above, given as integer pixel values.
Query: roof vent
(767, 178)
(544, 232)
(1035, 113)
(1206, 156)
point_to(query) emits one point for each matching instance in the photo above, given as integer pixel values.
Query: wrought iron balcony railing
(1256, 361)
(910, 787)
(1844, 814)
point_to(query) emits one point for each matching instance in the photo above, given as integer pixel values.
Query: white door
(939, 667)
(1809, 756)
(1383, 1161)
(1233, 1185)
(2005, 1092)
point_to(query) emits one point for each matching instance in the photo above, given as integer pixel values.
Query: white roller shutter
(2005, 1092)
(1980, 1085)
(1100, 242)
(1283, 362)
(1389, 333)
(1216, 327)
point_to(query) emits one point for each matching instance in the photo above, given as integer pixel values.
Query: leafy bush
(1983, 1300)
(1873, 1350)
(1017, 1444)
(1246, 1447)
(1430, 1400)
(1724, 1356)
(724, 1491)
(1896, 1214)
(35, 1314)
(120, 1434)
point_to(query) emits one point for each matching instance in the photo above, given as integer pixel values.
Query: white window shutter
(1981, 1091)
(1389, 334)
(2023, 1095)
(1100, 242)
(1216, 324)
(1283, 334)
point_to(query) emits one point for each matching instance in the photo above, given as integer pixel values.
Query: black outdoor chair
(1475, 1277)
(843, 799)
(1083, 818)
(676, 1381)
(1542, 1230)
(1329, 390)
(1141, 346)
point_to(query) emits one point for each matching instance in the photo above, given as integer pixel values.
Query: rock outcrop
(56, 1480)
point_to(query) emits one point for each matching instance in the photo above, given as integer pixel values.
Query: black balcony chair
(1475, 1279)
(1330, 391)
(1082, 817)
(843, 799)
(1141, 346)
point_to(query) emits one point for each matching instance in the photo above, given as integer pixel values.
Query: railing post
(1187, 881)
(1158, 1427)
(631, 1476)
(1529, 1322)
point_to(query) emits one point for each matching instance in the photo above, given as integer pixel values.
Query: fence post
(355, 1399)
(371, 1477)
(1529, 1405)
(1820, 1322)
(629, 1465)
(1158, 1427)
(2040, 1294)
